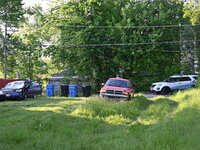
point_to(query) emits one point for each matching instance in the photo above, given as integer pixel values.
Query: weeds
(77, 124)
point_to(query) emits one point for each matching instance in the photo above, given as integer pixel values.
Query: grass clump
(160, 110)
(124, 112)
(117, 120)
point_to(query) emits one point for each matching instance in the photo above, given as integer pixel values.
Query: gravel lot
(150, 95)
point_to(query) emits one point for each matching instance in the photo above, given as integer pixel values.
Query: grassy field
(162, 123)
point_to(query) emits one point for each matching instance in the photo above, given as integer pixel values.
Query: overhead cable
(103, 45)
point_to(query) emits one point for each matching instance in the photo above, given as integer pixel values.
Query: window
(185, 79)
(195, 78)
(118, 83)
(33, 84)
(172, 79)
(15, 85)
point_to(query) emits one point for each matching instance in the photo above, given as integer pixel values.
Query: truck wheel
(128, 98)
(166, 91)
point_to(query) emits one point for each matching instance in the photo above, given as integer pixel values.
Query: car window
(15, 85)
(33, 83)
(195, 78)
(172, 79)
(118, 83)
(185, 79)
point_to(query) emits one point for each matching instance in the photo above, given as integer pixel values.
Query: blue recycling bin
(50, 90)
(73, 89)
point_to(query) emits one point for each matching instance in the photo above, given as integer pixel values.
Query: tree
(27, 47)
(192, 11)
(145, 40)
(11, 13)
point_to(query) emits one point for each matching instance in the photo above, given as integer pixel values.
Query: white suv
(176, 82)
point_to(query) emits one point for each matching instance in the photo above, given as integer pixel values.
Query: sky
(43, 3)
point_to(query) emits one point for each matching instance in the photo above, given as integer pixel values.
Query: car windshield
(118, 83)
(15, 85)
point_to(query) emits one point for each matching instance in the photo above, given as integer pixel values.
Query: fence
(3, 82)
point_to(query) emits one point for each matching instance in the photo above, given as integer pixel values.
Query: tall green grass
(140, 109)
(161, 123)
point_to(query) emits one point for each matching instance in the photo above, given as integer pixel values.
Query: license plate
(7, 95)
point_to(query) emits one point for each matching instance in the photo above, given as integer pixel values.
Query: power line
(162, 51)
(125, 27)
(104, 45)
(103, 27)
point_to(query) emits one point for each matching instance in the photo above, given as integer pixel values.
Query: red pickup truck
(117, 88)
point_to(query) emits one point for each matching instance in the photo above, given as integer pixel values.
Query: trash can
(73, 90)
(49, 90)
(86, 90)
(64, 90)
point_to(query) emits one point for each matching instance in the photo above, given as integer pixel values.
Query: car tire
(24, 96)
(2, 99)
(128, 98)
(166, 91)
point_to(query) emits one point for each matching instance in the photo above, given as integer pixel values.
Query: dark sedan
(21, 89)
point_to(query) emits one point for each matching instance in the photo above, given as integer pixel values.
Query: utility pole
(181, 49)
(5, 51)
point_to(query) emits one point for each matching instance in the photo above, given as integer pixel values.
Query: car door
(174, 83)
(30, 89)
(185, 82)
(36, 88)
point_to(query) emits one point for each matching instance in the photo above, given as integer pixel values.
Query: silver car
(175, 82)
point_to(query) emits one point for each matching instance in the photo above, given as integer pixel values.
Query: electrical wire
(103, 27)
(104, 45)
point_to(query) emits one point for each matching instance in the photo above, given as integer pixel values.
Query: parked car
(117, 88)
(21, 89)
(175, 82)
(2, 96)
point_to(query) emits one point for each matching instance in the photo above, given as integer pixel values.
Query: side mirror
(27, 85)
(102, 84)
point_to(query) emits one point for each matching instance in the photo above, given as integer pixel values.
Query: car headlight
(18, 90)
(102, 91)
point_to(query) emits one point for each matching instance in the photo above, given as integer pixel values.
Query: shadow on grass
(39, 101)
(24, 129)
(50, 130)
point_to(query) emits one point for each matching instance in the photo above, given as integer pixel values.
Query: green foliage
(198, 83)
(11, 11)
(28, 61)
(25, 57)
(100, 63)
(192, 11)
